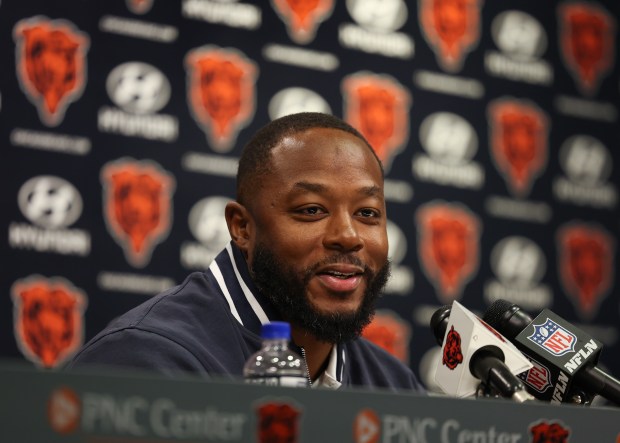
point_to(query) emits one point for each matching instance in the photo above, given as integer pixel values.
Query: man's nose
(341, 233)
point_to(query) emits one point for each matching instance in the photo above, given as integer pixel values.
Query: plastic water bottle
(275, 364)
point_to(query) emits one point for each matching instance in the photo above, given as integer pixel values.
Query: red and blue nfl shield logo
(553, 338)
(538, 377)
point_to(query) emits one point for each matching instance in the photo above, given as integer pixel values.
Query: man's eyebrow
(311, 187)
(370, 191)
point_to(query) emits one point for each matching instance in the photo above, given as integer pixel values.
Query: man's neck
(317, 352)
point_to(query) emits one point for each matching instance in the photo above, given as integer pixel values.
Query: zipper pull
(303, 354)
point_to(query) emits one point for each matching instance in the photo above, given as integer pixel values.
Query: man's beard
(287, 290)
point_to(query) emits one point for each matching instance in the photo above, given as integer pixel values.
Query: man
(309, 246)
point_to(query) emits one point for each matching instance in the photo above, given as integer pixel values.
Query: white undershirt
(328, 378)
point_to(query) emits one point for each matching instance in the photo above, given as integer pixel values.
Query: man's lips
(340, 277)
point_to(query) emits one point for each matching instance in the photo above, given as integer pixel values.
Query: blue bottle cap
(276, 329)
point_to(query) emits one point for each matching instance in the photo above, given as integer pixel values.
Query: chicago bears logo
(48, 315)
(549, 432)
(452, 352)
(448, 247)
(278, 423)
(137, 206)
(221, 92)
(585, 260)
(302, 17)
(391, 333)
(518, 138)
(51, 64)
(451, 28)
(378, 106)
(587, 41)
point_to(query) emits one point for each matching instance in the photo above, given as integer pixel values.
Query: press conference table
(52, 406)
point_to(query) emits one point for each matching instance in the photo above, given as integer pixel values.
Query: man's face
(320, 217)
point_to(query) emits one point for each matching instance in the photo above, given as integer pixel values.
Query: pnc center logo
(64, 410)
(519, 35)
(367, 427)
(137, 198)
(378, 106)
(302, 18)
(221, 92)
(294, 100)
(451, 28)
(50, 202)
(448, 246)
(138, 88)
(50, 59)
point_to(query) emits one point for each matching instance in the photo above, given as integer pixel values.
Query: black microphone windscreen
(439, 322)
(507, 318)
(496, 312)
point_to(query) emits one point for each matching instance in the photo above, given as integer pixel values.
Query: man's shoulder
(194, 291)
(174, 315)
(190, 323)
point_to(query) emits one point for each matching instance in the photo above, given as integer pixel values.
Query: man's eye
(367, 212)
(311, 210)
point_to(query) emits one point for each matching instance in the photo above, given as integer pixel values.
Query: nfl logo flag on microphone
(566, 350)
(553, 338)
(466, 333)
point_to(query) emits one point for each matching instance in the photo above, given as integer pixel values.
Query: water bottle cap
(276, 329)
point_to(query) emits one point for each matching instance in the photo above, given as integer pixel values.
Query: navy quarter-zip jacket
(210, 325)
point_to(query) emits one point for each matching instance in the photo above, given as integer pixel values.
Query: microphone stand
(496, 377)
(595, 380)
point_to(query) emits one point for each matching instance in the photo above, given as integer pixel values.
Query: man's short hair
(255, 161)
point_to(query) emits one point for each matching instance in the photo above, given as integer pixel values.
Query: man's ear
(240, 225)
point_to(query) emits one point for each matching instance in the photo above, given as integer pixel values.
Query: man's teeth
(340, 274)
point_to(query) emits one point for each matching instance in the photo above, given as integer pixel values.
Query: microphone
(564, 357)
(473, 352)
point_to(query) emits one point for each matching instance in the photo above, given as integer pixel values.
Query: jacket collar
(251, 308)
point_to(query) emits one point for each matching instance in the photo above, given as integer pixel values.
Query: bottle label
(292, 382)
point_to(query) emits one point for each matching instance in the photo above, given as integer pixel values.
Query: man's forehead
(333, 142)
